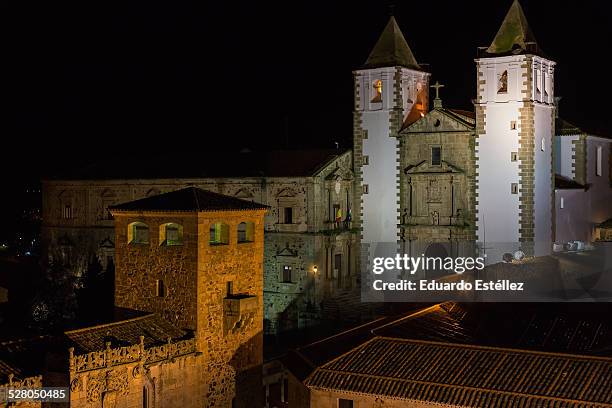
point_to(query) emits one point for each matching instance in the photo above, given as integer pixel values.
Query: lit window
(287, 273)
(514, 188)
(502, 82)
(436, 155)
(561, 203)
(171, 234)
(219, 234)
(246, 232)
(138, 233)
(160, 289)
(513, 156)
(377, 91)
(598, 170)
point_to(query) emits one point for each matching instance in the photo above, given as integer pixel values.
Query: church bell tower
(515, 115)
(390, 89)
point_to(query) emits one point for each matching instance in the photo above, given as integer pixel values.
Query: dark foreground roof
(573, 328)
(155, 330)
(564, 183)
(565, 128)
(205, 164)
(466, 375)
(189, 199)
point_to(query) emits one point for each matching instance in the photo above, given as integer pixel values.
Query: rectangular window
(287, 273)
(344, 403)
(542, 145)
(160, 290)
(598, 170)
(513, 125)
(338, 262)
(561, 203)
(285, 396)
(141, 234)
(172, 235)
(365, 188)
(288, 215)
(67, 214)
(513, 156)
(514, 188)
(366, 160)
(436, 155)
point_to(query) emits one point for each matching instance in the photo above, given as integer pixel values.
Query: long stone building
(309, 242)
(189, 325)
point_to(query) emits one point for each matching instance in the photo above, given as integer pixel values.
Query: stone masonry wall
(140, 266)
(237, 337)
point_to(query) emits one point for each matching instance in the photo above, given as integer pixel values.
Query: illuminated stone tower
(196, 258)
(514, 151)
(391, 89)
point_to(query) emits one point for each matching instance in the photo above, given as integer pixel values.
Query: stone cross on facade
(437, 101)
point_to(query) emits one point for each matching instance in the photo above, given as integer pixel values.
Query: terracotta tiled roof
(467, 375)
(188, 199)
(461, 112)
(155, 330)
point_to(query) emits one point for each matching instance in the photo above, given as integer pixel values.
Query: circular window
(437, 123)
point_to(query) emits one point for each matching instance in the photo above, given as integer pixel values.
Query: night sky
(87, 79)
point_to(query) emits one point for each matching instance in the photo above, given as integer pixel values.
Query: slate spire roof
(190, 199)
(391, 49)
(514, 36)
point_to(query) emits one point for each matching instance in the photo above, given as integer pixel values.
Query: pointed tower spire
(514, 35)
(391, 49)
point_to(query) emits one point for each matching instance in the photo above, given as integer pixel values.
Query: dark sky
(86, 79)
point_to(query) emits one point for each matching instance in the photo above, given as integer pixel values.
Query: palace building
(309, 240)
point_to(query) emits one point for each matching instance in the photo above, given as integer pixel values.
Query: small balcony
(239, 312)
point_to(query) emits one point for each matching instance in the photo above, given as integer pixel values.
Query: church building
(501, 177)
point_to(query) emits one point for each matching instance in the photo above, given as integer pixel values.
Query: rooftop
(576, 328)
(467, 375)
(391, 49)
(278, 163)
(514, 36)
(564, 183)
(153, 328)
(189, 199)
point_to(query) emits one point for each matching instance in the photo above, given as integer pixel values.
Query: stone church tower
(515, 114)
(195, 258)
(390, 89)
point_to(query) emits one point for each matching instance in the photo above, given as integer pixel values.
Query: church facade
(501, 177)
